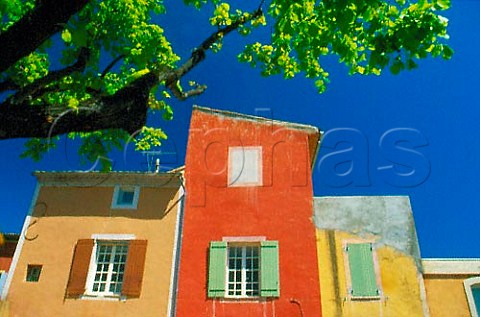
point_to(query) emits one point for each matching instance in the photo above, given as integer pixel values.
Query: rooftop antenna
(157, 165)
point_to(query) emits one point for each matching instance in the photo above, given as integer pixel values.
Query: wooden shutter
(269, 269)
(217, 269)
(362, 271)
(132, 280)
(79, 268)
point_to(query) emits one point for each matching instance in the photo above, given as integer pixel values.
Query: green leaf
(447, 52)
(66, 36)
(442, 4)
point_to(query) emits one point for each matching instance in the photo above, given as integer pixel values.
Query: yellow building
(98, 244)
(368, 257)
(452, 287)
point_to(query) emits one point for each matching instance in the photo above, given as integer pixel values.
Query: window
(243, 270)
(472, 289)
(107, 267)
(245, 166)
(33, 273)
(363, 279)
(125, 197)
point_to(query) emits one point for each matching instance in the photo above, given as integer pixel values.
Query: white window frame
(92, 268)
(236, 180)
(118, 190)
(244, 269)
(468, 284)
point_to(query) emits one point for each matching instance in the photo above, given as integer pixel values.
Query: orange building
(96, 244)
(248, 246)
(452, 287)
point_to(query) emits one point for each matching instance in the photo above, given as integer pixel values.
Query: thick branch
(8, 85)
(126, 109)
(27, 34)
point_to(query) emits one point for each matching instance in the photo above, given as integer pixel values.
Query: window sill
(129, 207)
(364, 298)
(252, 299)
(115, 298)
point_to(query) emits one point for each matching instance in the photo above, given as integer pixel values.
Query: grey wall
(389, 218)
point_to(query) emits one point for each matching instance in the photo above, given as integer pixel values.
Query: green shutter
(269, 269)
(362, 271)
(216, 269)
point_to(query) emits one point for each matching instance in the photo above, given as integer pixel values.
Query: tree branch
(126, 110)
(27, 34)
(39, 84)
(8, 84)
(182, 96)
(199, 53)
(112, 63)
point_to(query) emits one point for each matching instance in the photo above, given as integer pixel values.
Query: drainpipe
(177, 245)
(295, 301)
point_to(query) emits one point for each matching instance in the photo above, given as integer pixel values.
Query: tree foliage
(106, 103)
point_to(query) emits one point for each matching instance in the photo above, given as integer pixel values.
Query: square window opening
(245, 166)
(33, 272)
(125, 197)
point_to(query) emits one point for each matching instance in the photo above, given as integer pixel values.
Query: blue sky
(411, 134)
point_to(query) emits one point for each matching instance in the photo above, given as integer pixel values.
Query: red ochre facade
(280, 209)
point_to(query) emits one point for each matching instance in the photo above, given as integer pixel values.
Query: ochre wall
(280, 210)
(446, 295)
(399, 280)
(65, 214)
(4, 311)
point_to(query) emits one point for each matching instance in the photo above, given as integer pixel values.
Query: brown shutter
(132, 281)
(79, 269)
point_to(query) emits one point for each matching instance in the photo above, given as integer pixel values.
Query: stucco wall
(387, 223)
(446, 296)
(61, 216)
(280, 209)
(397, 276)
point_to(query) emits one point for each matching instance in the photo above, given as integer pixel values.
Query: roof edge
(231, 114)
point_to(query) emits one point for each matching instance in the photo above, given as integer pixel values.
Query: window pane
(476, 296)
(243, 271)
(126, 197)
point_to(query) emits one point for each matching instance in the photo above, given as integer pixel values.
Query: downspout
(177, 245)
(295, 301)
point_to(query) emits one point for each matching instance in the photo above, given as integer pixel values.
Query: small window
(363, 279)
(33, 273)
(125, 197)
(248, 270)
(245, 166)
